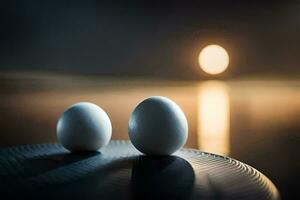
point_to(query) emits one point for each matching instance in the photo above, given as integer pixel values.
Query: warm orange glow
(213, 59)
(213, 129)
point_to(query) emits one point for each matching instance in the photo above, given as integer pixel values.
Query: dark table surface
(119, 171)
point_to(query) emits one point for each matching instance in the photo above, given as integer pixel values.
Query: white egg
(84, 127)
(157, 126)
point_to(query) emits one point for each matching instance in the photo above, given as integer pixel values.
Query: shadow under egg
(165, 177)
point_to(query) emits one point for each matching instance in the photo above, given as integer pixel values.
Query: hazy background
(152, 38)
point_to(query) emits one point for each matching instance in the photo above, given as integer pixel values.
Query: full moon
(213, 59)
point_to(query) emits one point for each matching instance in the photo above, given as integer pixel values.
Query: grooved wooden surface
(119, 171)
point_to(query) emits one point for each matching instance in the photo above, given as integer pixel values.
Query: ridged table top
(119, 171)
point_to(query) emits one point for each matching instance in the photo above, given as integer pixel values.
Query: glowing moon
(213, 59)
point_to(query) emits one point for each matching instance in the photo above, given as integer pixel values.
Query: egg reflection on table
(163, 177)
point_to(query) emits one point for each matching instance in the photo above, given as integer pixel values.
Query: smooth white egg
(157, 126)
(84, 127)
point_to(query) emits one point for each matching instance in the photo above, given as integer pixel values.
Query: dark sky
(149, 37)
